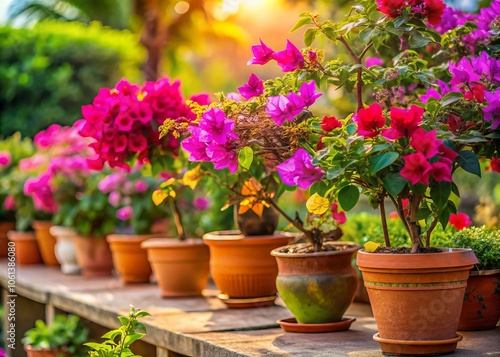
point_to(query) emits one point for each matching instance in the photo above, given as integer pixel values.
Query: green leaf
(245, 157)
(450, 98)
(469, 162)
(319, 187)
(124, 320)
(440, 193)
(399, 21)
(416, 40)
(380, 161)
(444, 217)
(310, 36)
(423, 213)
(394, 183)
(302, 22)
(334, 172)
(348, 196)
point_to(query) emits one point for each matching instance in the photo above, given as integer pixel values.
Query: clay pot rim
(353, 247)
(474, 272)
(62, 231)
(41, 224)
(236, 235)
(171, 243)
(21, 235)
(132, 238)
(448, 258)
(43, 349)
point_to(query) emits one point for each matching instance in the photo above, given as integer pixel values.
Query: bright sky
(3, 10)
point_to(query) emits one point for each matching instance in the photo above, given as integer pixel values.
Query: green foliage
(483, 241)
(47, 72)
(117, 343)
(64, 332)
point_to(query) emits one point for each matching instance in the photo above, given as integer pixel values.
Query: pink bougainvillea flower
(140, 186)
(125, 213)
(10, 203)
(137, 142)
(425, 142)
(284, 108)
(253, 88)
(441, 170)
(201, 203)
(392, 8)
(5, 158)
(261, 54)
(114, 198)
(373, 61)
(222, 157)
(433, 11)
(330, 123)
(290, 58)
(299, 170)
(216, 127)
(201, 98)
(123, 122)
(40, 191)
(495, 164)
(120, 142)
(47, 137)
(404, 122)
(370, 120)
(308, 94)
(337, 215)
(460, 220)
(417, 169)
(197, 149)
(492, 111)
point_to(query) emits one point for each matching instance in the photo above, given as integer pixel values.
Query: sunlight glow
(181, 7)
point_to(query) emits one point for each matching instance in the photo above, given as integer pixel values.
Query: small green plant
(485, 243)
(64, 333)
(118, 341)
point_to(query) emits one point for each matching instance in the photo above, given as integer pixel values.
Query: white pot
(65, 249)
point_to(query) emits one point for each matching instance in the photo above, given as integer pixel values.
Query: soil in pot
(481, 307)
(26, 247)
(181, 267)
(317, 287)
(242, 267)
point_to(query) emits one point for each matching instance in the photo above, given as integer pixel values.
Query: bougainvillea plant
(422, 111)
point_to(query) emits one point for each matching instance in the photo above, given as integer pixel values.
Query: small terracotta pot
(45, 352)
(4, 241)
(181, 267)
(26, 247)
(65, 249)
(417, 298)
(317, 287)
(46, 242)
(481, 308)
(93, 256)
(242, 266)
(130, 260)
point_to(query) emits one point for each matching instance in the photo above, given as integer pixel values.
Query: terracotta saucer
(291, 325)
(244, 303)
(405, 347)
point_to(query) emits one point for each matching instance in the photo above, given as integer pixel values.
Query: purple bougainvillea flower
(299, 170)
(308, 94)
(253, 88)
(284, 108)
(261, 54)
(223, 157)
(216, 127)
(290, 58)
(492, 111)
(196, 149)
(463, 72)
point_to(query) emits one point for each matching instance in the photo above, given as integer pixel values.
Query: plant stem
(387, 241)
(177, 219)
(289, 219)
(429, 231)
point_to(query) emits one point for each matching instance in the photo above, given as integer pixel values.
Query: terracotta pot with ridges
(417, 298)
(26, 247)
(242, 266)
(46, 242)
(181, 267)
(93, 256)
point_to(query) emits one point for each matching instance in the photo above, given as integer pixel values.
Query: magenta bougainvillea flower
(223, 156)
(337, 215)
(430, 9)
(125, 213)
(370, 120)
(425, 142)
(284, 108)
(290, 58)
(404, 122)
(492, 111)
(216, 127)
(261, 54)
(308, 93)
(299, 170)
(392, 8)
(460, 220)
(197, 149)
(253, 88)
(5, 158)
(39, 189)
(416, 169)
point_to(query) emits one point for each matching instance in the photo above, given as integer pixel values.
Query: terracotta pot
(46, 242)
(130, 260)
(250, 224)
(4, 241)
(65, 249)
(416, 298)
(241, 266)
(317, 287)
(93, 256)
(481, 308)
(26, 247)
(181, 267)
(45, 352)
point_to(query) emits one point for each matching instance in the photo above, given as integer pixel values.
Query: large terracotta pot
(317, 287)
(4, 241)
(242, 266)
(417, 298)
(46, 242)
(481, 308)
(65, 249)
(26, 247)
(45, 352)
(130, 260)
(181, 267)
(93, 256)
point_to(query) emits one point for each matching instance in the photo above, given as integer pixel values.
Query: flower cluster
(123, 121)
(432, 10)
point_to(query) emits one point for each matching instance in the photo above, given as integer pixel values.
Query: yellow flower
(158, 197)
(317, 204)
(192, 177)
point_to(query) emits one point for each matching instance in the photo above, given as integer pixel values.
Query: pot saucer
(405, 347)
(291, 325)
(244, 303)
